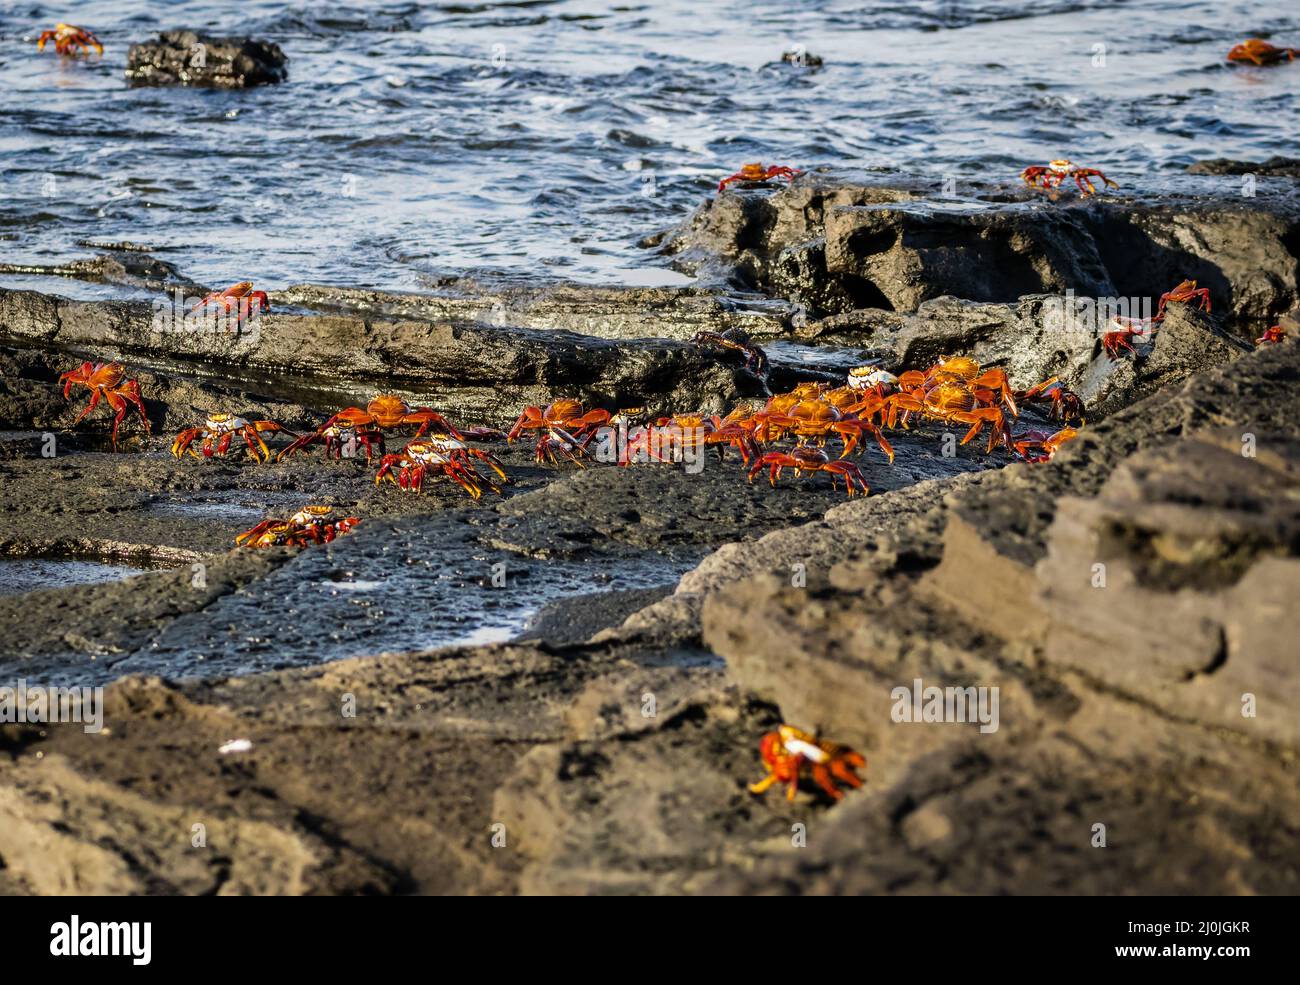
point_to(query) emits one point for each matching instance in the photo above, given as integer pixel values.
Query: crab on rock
(70, 40)
(788, 751)
(311, 525)
(757, 172)
(1120, 340)
(1040, 446)
(106, 380)
(1066, 404)
(355, 426)
(566, 429)
(1272, 336)
(1185, 292)
(1051, 175)
(737, 341)
(442, 455)
(696, 432)
(809, 458)
(218, 431)
(241, 296)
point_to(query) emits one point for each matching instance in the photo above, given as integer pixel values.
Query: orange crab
(354, 426)
(777, 406)
(989, 383)
(818, 418)
(70, 40)
(737, 341)
(1185, 292)
(809, 458)
(788, 750)
(757, 172)
(1261, 53)
(218, 431)
(241, 296)
(1066, 404)
(1040, 446)
(439, 454)
(1050, 176)
(954, 402)
(696, 432)
(566, 428)
(1272, 336)
(106, 380)
(957, 390)
(311, 525)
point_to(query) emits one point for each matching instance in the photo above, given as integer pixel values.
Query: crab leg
(119, 407)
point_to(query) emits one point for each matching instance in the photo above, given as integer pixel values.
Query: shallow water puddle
(21, 575)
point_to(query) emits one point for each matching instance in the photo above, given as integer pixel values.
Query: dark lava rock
(602, 312)
(129, 266)
(880, 240)
(483, 371)
(191, 59)
(1274, 167)
(801, 58)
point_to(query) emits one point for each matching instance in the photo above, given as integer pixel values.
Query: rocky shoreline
(660, 621)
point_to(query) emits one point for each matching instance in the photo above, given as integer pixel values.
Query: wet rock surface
(893, 242)
(1282, 167)
(622, 637)
(190, 58)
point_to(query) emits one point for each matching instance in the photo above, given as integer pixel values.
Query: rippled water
(544, 138)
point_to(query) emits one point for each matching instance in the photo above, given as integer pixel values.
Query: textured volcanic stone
(190, 59)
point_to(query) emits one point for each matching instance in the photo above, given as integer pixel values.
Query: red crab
(788, 750)
(366, 427)
(817, 418)
(757, 172)
(566, 429)
(310, 525)
(1051, 175)
(1120, 340)
(1066, 404)
(106, 380)
(1261, 53)
(439, 454)
(218, 431)
(1040, 446)
(1272, 336)
(807, 458)
(696, 432)
(239, 295)
(737, 341)
(1183, 293)
(70, 40)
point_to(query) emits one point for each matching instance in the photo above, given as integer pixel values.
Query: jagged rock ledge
(835, 242)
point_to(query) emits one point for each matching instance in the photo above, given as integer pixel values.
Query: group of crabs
(954, 391)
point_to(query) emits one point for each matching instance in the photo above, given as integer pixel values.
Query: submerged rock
(188, 58)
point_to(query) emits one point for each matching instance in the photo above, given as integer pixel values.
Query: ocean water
(543, 139)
